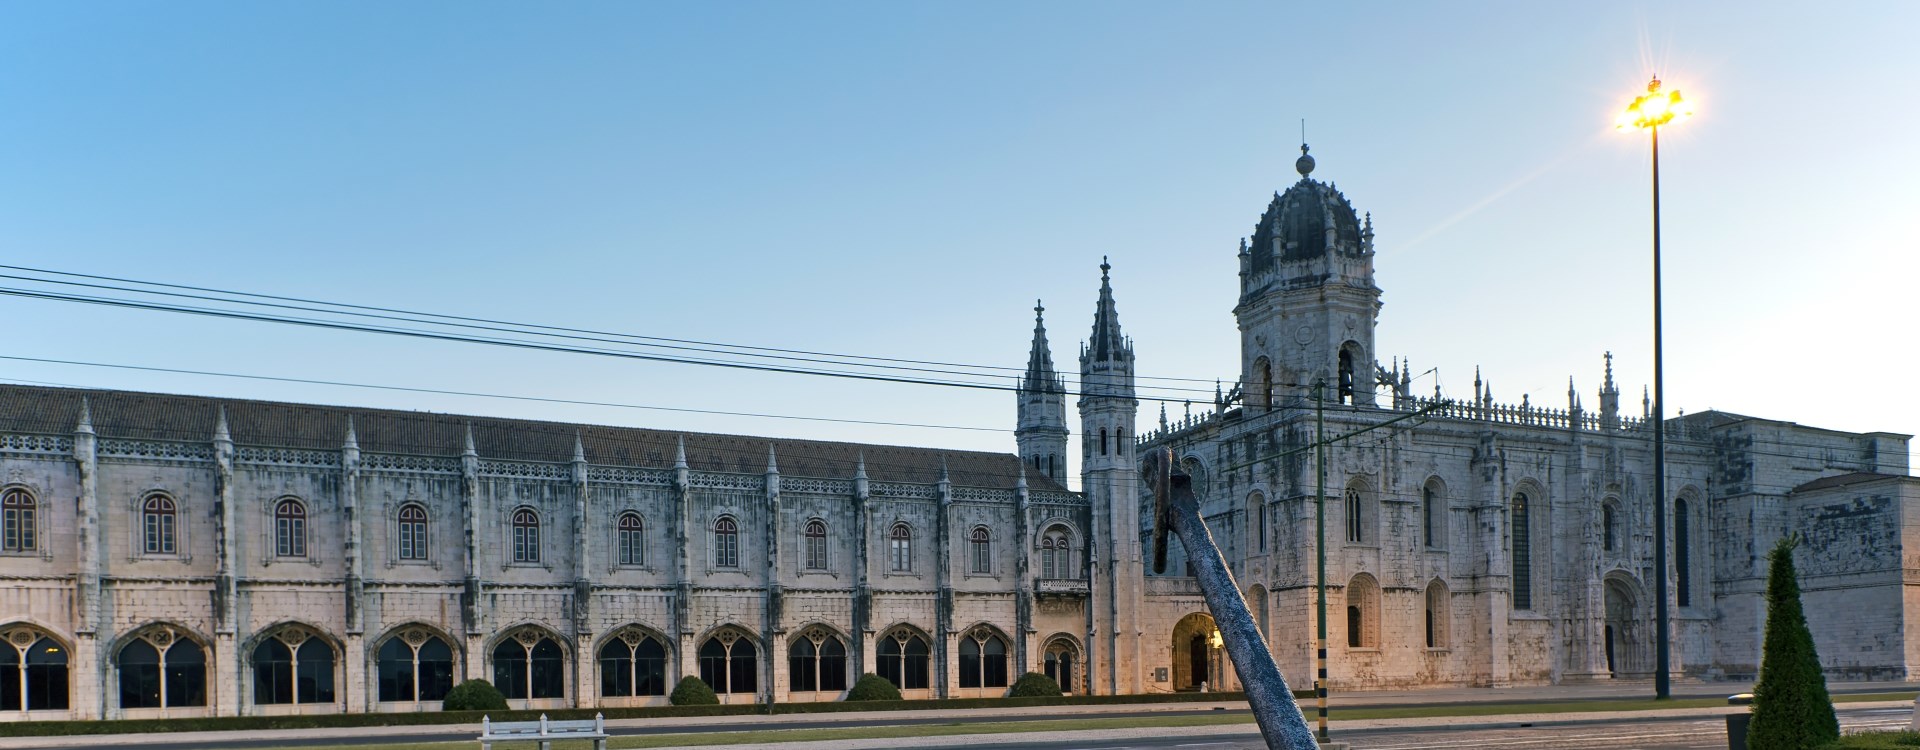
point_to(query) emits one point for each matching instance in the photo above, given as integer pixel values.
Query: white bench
(544, 731)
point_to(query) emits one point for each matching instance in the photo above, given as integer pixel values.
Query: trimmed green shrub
(1791, 708)
(693, 691)
(474, 695)
(1034, 685)
(873, 687)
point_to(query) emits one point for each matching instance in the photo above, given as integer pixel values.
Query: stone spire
(220, 432)
(773, 466)
(1041, 377)
(680, 454)
(1107, 344)
(352, 442)
(1609, 399)
(466, 446)
(579, 449)
(86, 417)
(860, 466)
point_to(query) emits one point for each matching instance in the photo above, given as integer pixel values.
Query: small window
(1438, 615)
(982, 544)
(1056, 560)
(526, 536)
(290, 528)
(726, 543)
(1103, 441)
(1363, 612)
(1522, 549)
(1356, 516)
(413, 532)
(1433, 513)
(632, 540)
(157, 522)
(1609, 533)
(1346, 376)
(900, 548)
(1682, 554)
(17, 508)
(816, 545)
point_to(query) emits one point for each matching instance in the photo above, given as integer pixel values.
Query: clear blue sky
(904, 179)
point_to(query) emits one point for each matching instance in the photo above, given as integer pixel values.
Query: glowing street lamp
(1649, 112)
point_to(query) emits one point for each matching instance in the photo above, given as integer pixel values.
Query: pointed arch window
(1363, 612)
(729, 663)
(1433, 514)
(18, 513)
(633, 663)
(1522, 547)
(157, 517)
(161, 670)
(816, 537)
(289, 528)
(1682, 557)
(900, 548)
(817, 661)
(413, 531)
(631, 539)
(1438, 614)
(981, 542)
(1609, 527)
(1347, 376)
(292, 667)
(983, 660)
(726, 543)
(526, 536)
(33, 671)
(1356, 515)
(1257, 508)
(415, 665)
(1056, 553)
(530, 665)
(1059, 664)
(904, 659)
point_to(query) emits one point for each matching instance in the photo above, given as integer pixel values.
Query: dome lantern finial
(1304, 164)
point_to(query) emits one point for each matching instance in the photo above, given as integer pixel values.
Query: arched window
(160, 670)
(1056, 553)
(983, 659)
(292, 666)
(817, 661)
(1433, 514)
(1363, 612)
(157, 521)
(726, 543)
(413, 532)
(1522, 532)
(33, 671)
(1439, 614)
(17, 522)
(1609, 526)
(526, 536)
(816, 544)
(529, 664)
(1257, 510)
(904, 659)
(632, 541)
(415, 665)
(1051, 457)
(1682, 557)
(1059, 663)
(1355, 501)
(729, 662)
(633, 663)
(1103, 441)
(981, 542)
(900, 548)
(289, 528)
(1346, 376)
(1266, 384)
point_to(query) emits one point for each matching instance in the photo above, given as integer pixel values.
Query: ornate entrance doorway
(1192, 653)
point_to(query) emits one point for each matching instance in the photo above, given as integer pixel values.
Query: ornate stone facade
(185, 556)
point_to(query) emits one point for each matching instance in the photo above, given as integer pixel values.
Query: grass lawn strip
(761, 737)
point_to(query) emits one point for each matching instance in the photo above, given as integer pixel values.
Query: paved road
(1663, 734)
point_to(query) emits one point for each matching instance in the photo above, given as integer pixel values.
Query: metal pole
(1320, 553)
(1660, 676)
(1281, 724)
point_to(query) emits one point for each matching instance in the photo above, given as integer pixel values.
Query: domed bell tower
(1308, 304)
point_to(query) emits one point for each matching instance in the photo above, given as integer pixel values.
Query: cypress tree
(1791, 709)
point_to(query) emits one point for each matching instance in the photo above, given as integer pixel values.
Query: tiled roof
(156, 416)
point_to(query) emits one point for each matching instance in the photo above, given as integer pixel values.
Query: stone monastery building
(185, 556)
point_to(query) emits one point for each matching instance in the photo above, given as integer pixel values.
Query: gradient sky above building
(905, 179)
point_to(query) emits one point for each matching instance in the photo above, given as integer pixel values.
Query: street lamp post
(1648, 112)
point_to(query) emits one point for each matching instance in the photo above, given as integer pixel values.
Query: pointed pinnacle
(86, 417)
(220, 432)
(1022, 482)
(680, 454)
(579, 449)
(772, 466)
(860, 466)
(352, 441)
(466, 448)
